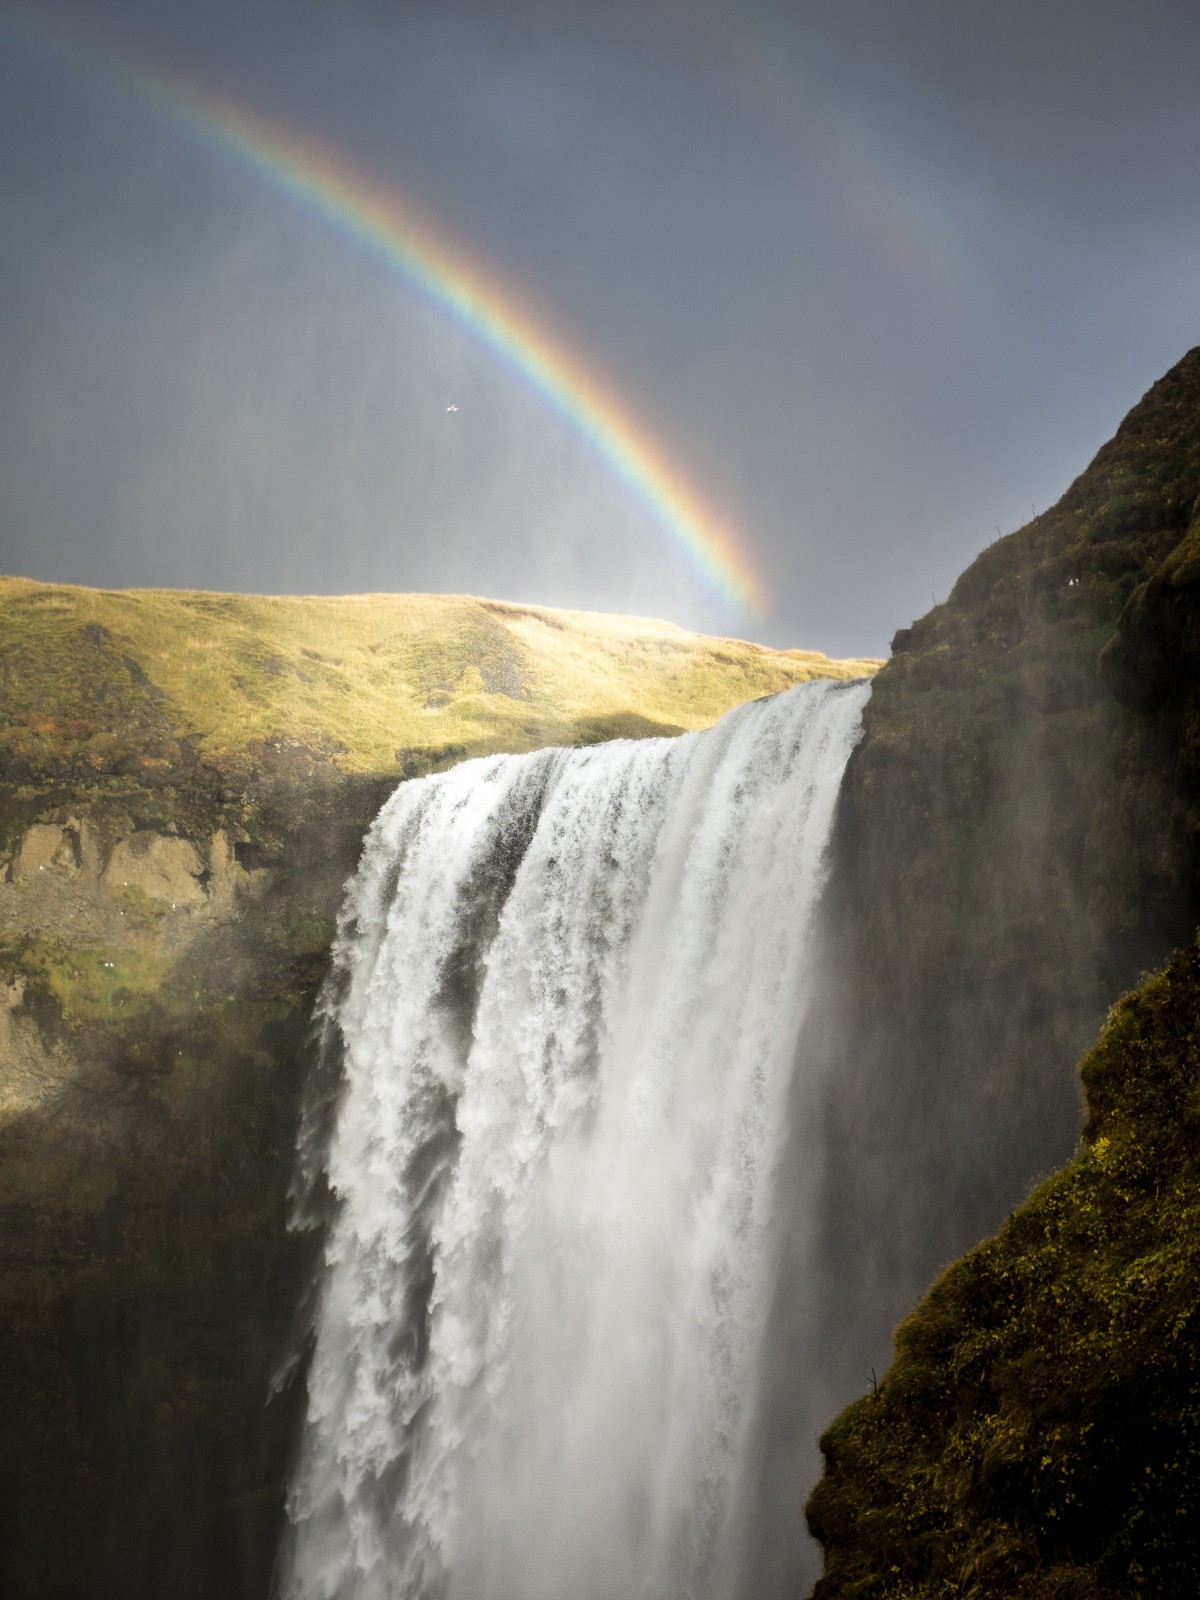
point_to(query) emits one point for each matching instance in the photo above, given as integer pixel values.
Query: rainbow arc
(380, 220)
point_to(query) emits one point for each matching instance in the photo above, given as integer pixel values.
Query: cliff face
(160, 949)
(185, 782)
(1019, 842)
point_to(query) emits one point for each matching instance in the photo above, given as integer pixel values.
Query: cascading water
(568, 988)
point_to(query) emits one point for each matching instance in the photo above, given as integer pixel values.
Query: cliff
(1018, 843)
(185, 781)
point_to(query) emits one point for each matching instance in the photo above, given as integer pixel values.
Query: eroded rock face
(96, 953)
(68, 849)
(167, 869)
(44, 845)
(160, 949)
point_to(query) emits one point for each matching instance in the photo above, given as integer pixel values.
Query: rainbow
(378, 219)
(900, 217)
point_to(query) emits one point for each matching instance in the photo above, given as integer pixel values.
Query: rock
(46, 846)
(226, 875)
(163, 868)
(90, 855)
(222, 862)
(31, 1072)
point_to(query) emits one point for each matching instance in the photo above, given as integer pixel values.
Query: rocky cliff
(1018, 843)
(185, 781)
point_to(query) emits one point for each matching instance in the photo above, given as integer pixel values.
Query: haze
(878, 279)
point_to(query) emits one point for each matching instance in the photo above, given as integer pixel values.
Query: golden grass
(374, 674)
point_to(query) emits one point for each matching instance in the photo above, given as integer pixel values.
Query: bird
(452, 407)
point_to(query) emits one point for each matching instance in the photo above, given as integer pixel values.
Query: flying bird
(452, 407)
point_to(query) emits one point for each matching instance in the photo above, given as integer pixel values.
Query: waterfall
(567, 991)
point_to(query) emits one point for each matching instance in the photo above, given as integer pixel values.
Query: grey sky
(878, 277)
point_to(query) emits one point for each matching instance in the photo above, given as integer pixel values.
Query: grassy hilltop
(174, 764)
(372, 684)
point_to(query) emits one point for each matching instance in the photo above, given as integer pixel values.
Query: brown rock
(163, 868)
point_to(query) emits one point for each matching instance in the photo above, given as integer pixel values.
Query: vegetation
(1019, 837)
(145, 679)
(148, 1281)
(1038, 1432)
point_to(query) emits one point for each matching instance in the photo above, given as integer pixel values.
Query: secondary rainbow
(378, 219)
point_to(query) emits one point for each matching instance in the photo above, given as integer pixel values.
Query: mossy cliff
(1038, 1433)
(185, 782)
(1019, 840)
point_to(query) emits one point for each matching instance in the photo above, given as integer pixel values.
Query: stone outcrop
(46, 845)
(160, 867)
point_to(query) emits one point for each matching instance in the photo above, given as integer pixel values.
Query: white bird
(452, 407)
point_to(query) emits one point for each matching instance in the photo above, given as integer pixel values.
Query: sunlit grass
(89, 981)
(360, 677)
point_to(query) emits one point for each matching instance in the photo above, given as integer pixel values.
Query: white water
(569, 988)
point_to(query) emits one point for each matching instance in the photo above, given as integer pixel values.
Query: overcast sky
(878, 277)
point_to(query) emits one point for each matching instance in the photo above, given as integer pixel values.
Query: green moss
(85, 981)
(1038, 1432)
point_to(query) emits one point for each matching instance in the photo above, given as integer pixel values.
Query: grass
(148, 1280)
(362, 681)
(87, 981)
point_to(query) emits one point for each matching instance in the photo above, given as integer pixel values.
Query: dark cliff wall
(148, 1281)
(1018, 842)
